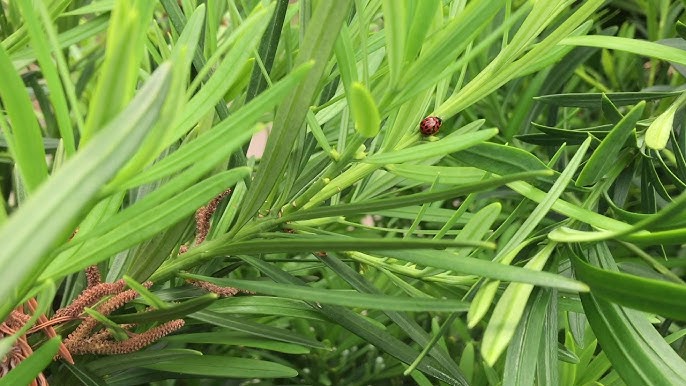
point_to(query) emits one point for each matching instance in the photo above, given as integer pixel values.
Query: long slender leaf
(340, 298)
(83, 177)
(317, 47)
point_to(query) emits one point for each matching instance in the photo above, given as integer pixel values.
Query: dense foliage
(533, 238)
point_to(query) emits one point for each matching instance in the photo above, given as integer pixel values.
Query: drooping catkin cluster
(214, 288)
(83, 340)
(21, 348)
(203, 218)
(87, 338)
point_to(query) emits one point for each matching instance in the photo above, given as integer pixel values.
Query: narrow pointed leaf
(82, 176)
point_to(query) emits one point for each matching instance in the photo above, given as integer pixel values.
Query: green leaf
(316, 47)
(164, 196)
(610, 110)
(635, 46)
(84, 375)
(112, 364)
(629, 232)
(500, 159)
(523, 352)
(609, 148)
(489, 269)
(568, 209)
(118, 76)
(363, 328)
(444, 47)
(447, 175)
(224, 75)
(218, 247)
(423, 10)
(509, 311)
(345, 57)
(24, 134)
(681, 29)
(451, 144)
(365, 112)
(83, 31)
(547, 371)
(233, 338)
(143, 226)
(405, 322)
(224, 367)
(265, 305)
(408, 200)
(648, 295)
(340, 298)
(634, 347)
(26, 233)
(594, 100)
(395, 31)
(216, 145)
(658, 132)
(257, 329)
(176, 311)
(267, 50)
(49, 69)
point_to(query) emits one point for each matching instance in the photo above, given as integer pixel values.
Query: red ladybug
(430, 125)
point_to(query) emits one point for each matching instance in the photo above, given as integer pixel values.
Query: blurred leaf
(396, 20)
(112, 364)
(175, 311)
(365, 112)
(24, 134)
(84, 375)
(635, 46)
(256, 329)
(224, 367)
(594, 100)
(233, 338)
(28, 369)
(82, 176)
(118, 76)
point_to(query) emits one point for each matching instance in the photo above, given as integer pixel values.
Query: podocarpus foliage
(534, 239)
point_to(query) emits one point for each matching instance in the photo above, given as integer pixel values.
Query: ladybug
(430, 125)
